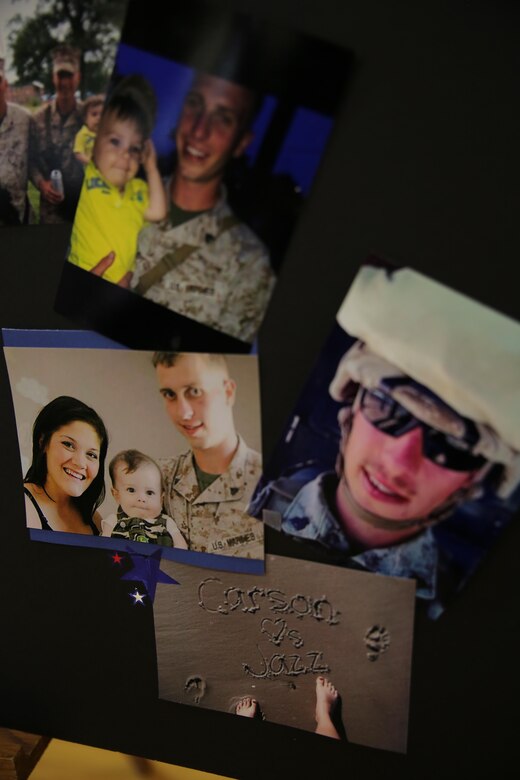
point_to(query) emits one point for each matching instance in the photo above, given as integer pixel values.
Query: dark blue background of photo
(300, 154)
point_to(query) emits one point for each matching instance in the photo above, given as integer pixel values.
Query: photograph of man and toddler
(182, 184)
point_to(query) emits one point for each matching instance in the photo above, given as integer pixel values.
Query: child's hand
(149, 156)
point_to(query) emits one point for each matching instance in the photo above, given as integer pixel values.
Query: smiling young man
(208, 488)
(429, 417)
(203, 262)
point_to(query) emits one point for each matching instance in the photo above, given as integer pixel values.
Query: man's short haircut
(169, 359)
(133, 98)
(92, 102)
(132, 459)
(254, 101)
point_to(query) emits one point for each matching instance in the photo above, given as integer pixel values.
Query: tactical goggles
(445, 450)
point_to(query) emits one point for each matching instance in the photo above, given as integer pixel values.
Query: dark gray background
(422, 168)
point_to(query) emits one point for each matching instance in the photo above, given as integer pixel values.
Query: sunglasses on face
(390, 417)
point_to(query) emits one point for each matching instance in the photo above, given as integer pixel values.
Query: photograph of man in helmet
(402, 456)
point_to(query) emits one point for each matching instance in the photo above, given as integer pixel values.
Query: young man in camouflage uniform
(56, 125)
(207, 488)
(203, 262)
(429, 422)
(15, 127)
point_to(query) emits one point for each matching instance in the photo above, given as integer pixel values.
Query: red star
(117, 558)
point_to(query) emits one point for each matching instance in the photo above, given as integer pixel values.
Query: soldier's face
(212, 128)
(199, 398)
(390, 476)
(65, 83)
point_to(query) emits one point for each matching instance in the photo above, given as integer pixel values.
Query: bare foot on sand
(246, 707)
(326, 698)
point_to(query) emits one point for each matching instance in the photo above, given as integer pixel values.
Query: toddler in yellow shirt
(114, 204)
(84, 140)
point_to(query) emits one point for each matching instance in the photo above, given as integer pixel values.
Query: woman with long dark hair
(65, 484)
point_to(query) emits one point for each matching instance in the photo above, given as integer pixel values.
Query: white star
(138, 597)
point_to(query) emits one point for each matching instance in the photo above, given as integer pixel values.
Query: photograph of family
(123, 448)
(402, 456)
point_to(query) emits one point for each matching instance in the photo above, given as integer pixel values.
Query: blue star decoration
(138, 597)
(146, 569)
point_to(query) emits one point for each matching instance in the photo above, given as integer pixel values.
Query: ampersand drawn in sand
(377, 640)
(277, 630)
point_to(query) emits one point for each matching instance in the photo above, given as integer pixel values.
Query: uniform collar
(54, 110)
(415, 558)
(229, 486)
(204, 227)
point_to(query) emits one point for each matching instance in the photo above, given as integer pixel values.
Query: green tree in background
(94, 26)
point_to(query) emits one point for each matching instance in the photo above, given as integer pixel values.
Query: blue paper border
(188, 557)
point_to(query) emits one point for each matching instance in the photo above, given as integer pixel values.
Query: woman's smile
(72, 460)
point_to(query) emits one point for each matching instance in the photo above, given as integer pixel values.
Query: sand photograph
(307, 645)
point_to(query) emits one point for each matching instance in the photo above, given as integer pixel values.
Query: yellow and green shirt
(108, 220)
(84, 142)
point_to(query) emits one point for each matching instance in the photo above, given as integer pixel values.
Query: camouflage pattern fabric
(14, 153)
(225, 283)
(58, 154)
(138, 530)
(304, 510)
(215, 520)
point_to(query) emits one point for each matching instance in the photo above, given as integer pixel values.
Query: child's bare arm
(178, 539)
(108, 524)
(83, 159)
(158, 206)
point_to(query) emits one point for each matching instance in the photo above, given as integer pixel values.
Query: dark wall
(423, 166)
(423, 169)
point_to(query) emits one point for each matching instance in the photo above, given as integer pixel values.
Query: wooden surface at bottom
(65, 760)
(19, 753)
(23, 754)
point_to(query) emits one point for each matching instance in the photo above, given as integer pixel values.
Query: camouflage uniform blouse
(215, 520)
(52, 148)
(303, 508)
(14, 152)
(225, 283)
